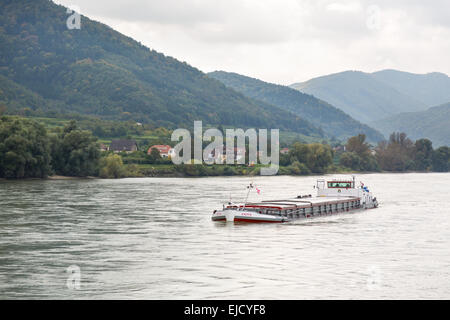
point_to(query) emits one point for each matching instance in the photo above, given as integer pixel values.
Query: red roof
(161, 148)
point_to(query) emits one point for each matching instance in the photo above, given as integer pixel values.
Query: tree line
(397, 154)
(28, 150)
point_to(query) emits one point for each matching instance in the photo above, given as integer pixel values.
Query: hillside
(332, 120)
(432, 124)
(47, 69)
(360, 95)
(431, 89)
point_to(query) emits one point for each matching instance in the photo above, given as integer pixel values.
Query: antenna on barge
(249, 187)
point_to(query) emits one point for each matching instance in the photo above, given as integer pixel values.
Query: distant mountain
(433, 124)
(361, 95)
(332, 120)
(47, 69)
(431, 89)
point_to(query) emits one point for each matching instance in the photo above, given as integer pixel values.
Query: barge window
(339, 184)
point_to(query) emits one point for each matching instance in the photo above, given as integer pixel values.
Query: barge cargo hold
(335, 196)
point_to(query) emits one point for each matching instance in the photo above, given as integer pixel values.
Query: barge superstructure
(333, 197)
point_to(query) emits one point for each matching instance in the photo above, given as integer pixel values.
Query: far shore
(58, 177)
(178, 175)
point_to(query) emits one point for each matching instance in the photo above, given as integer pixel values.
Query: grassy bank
(171, 170)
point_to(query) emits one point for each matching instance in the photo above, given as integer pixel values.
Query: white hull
(245, 216)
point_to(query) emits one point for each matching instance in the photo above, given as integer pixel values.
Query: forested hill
(432, 89)
(360, 95)
(433, 124)
(332, 120)
(46, 69)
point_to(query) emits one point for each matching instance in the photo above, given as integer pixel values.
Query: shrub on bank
(112, 166)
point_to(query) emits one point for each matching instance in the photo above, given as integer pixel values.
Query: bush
(112, 167)
(350, 160)
(298, 168)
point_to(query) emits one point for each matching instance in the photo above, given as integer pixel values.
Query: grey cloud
(187, 12)
(310, 35)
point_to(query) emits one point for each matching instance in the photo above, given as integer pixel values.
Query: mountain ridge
(432, 123)
(332, 120)
(97, 71)
(431, 88)
(360, 95)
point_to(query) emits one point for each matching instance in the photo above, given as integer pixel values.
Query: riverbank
(57, 177)
(191, 170)
(174, 171)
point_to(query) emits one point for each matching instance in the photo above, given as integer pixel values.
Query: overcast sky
(286, 41)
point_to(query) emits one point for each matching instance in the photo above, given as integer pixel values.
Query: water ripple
(152, 238)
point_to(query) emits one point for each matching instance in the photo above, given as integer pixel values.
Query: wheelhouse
(340, 184)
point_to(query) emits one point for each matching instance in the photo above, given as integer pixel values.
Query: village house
(104, 147)
(127, 146)
(165, 151)
(339, 149)
(284, 151)
(239, 153)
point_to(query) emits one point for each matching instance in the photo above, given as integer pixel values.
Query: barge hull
(278, 211)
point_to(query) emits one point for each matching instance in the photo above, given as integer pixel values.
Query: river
(153, 238)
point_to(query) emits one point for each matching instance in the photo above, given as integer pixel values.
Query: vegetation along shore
(42, 148)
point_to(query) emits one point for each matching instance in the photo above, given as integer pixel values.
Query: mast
(249, 187)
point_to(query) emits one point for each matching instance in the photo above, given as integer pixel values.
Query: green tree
(441, 159)
(298, 168)
(298, 152)
(75, 152)
(350, 160)
(358, 155)
(396, 154)
(154, 156)
(112, 166)
(358, 145)
(24, 149)
(320, 156)
(285, 159)
(317, 157)
(423, 154)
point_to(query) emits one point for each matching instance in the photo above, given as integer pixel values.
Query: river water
(152, 238)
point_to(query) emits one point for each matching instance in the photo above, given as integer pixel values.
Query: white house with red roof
(165, 151)
(284, 151)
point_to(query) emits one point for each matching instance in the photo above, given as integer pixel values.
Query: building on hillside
(339, 149)
(165, 151)
(104, 147)
(284, 151)
(123, 145)
(239, 153)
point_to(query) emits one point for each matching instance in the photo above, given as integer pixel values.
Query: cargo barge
(333, 197)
